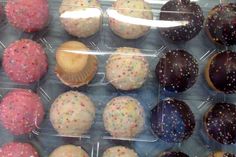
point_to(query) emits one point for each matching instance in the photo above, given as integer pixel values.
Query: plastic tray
(95, 142)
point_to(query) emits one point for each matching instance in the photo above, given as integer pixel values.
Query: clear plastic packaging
(103, 43)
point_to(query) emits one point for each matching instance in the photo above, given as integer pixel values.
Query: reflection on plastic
(144, 22)
(82, 14)
(107, 53)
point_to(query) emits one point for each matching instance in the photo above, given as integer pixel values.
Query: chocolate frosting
(177, 71)
(229, 155)
(182, 10)
(172, 120)
(222, 71)
(174, 154)
(221, 24)
(220, 123)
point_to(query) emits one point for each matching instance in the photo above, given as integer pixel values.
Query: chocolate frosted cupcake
(74, 66)
(172, 120)
(188, 14)
(220, 123)
(221, 154)
(177, 71)
(173, 154)
(220, 24)
(220, 72)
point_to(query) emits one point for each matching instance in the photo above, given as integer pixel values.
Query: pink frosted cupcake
(17, 149)
(27, 15)
(25, 61)
(21, 111)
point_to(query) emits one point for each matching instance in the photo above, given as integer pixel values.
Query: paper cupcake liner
(80, 78)
(207, 76)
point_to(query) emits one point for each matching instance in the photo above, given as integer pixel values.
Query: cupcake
(220, 24)
(18, 149)
(222, 154)
(133, 10)
(25, 61)
(21, 111)
(119, 151)
(127, 68)
(220, 72)
(220, 123)
(81, 18)
(69, 151)
(74, 66)
(177, 71)
(27, 15)
(123, 117)
(187, 13)
(172, 121)
(72, 114)
(173, 154)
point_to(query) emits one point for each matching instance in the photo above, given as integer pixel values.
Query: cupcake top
(173, 154)
(25, 61)
(220, 24)
(81, 18)
(21, 111)
(221, 154)
(72, 113)
(119, 151)
(17, 149)
(177, 71)
(71, 56)
(74, 5)
(29, 16)
(127, 68)
(182, 11)
(172, 120)
(75, 65)
(69, 150)
(221, 72)
(220, 123)
(124, 117)
(138, 9)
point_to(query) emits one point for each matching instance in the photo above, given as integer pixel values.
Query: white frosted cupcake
(127, 68)
(69, 151)
(119, 151)
(81, 18)
(72, 114)
(123, 117)
(124, 13)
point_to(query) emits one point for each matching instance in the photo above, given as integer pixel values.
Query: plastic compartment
(100, 91)
(97, 140)
(50, 144)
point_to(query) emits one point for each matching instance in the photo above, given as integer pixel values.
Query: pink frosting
(25, 61)
(21, 111)
(28, 15)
